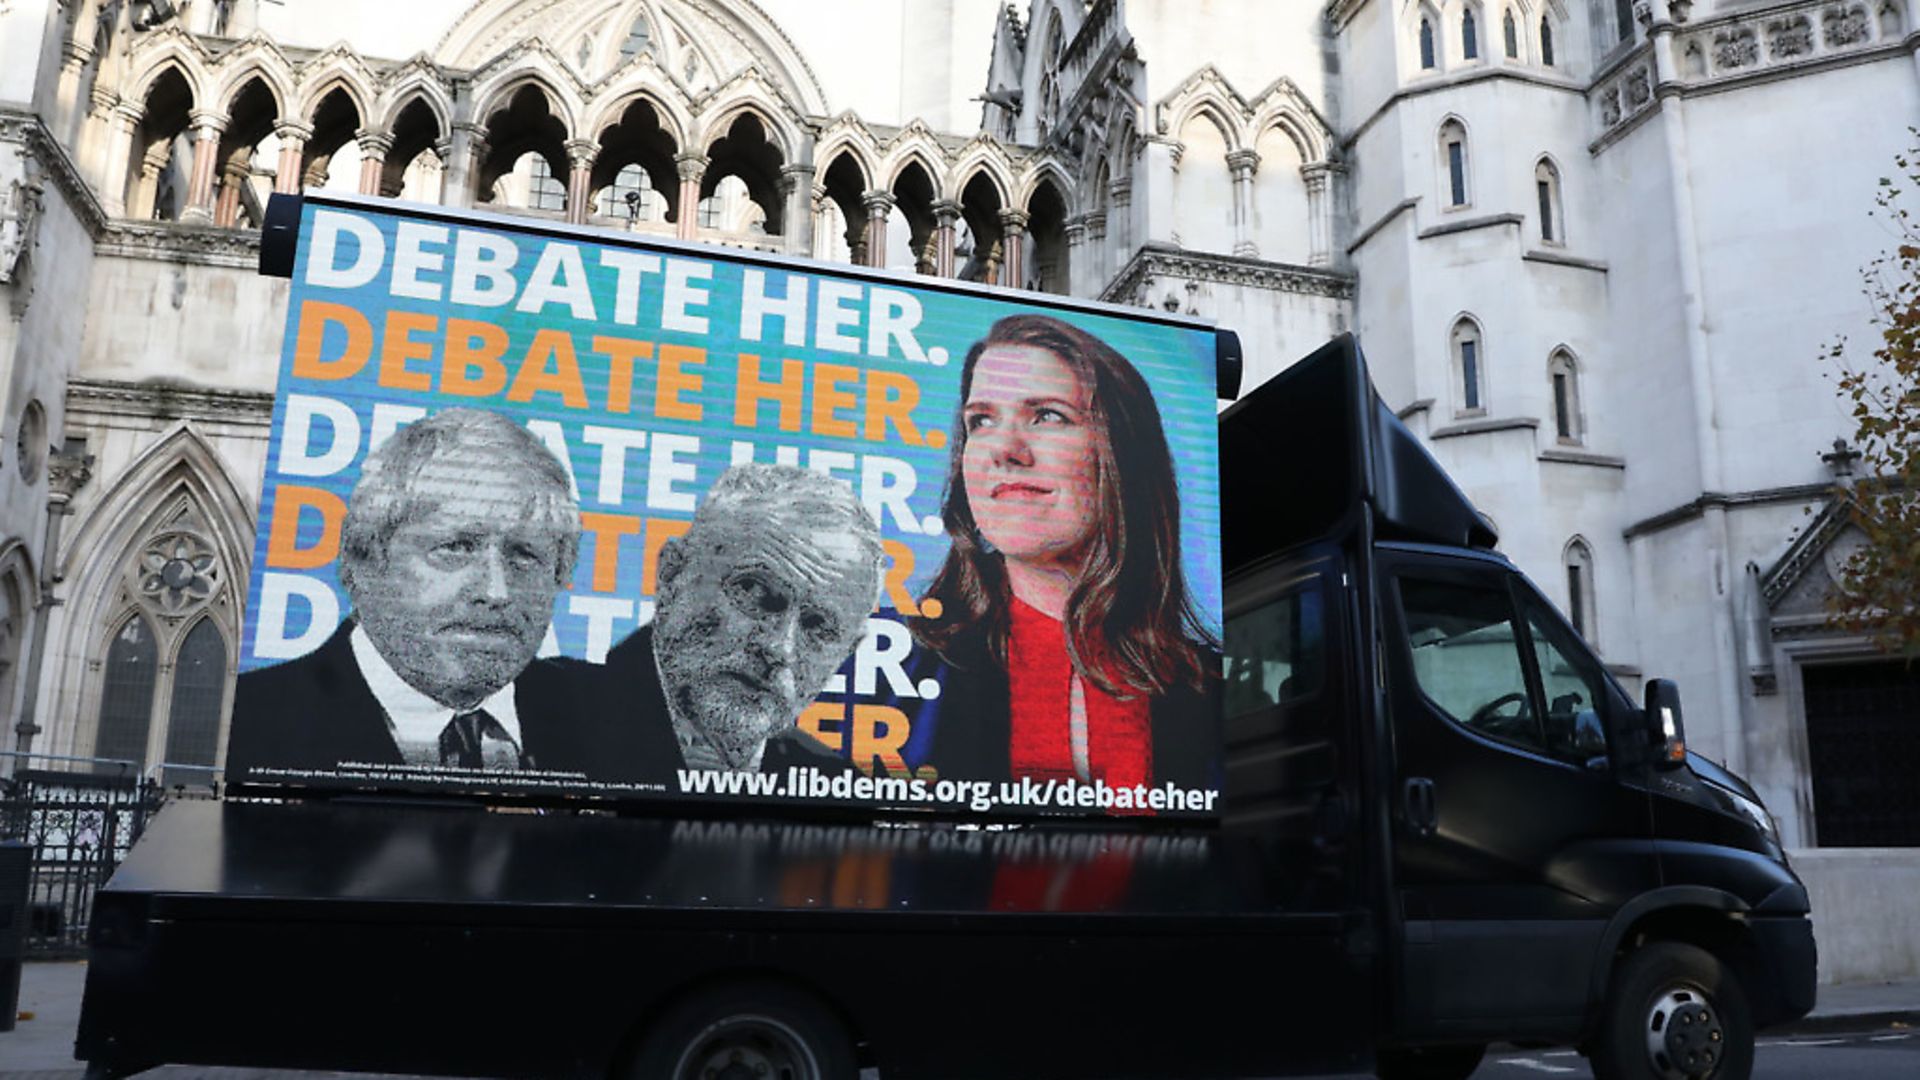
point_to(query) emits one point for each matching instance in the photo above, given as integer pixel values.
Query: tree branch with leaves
(1879, 593)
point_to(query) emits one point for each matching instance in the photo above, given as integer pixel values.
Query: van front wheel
(1674, 1012)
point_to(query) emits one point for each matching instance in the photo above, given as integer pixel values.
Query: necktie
(460, 739)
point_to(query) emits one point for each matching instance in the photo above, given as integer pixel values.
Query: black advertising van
(1442, 824)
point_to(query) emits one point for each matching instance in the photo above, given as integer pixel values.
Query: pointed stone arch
(19, 603)
(496, 94)
(982, 157)
(16, 559)
(169, 48)
(639, 128)
(179, 493)
(650, 86)
(750, 151)
(259, 60)
(848, 135)
(916, 142)
(1206, 93)
(1044, 170)
(423, 84)
(1123, 147)
(750, 91)
(489, 28)
(339, 68)
(1282, 105)
(181, 450)
(619, 27)
(846, 164)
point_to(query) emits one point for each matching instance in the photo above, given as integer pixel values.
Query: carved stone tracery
(1790, 37)
(175, 572)
(1844, 25)
(1736, 48)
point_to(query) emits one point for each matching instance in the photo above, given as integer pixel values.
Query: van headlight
(1757, 814)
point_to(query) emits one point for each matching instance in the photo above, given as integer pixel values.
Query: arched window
(1426, 43)
(631, 197)
(1623, 21)
(1469, 36)
(1546, 189)
(1546, 41)
(193, 714)
(126, 699)
(1579, 570)
(1568, 423)
(530, 183)
(1511, 33)
(1469, 368)
(639, 38)
(1453, 162)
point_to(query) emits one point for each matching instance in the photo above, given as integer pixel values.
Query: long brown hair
(1131, 626)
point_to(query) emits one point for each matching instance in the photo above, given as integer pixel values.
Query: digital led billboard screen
(557, 513)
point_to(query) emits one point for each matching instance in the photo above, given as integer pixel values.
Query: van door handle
(1416, 797)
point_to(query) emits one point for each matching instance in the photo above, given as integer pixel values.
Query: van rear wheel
(746, 1031)
(1428, 1062)
(1674, 1012)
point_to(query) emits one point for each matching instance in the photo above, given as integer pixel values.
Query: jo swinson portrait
(1060, 625)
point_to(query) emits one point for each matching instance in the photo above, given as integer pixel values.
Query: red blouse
(1040, 676)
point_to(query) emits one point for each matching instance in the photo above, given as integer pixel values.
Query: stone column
(374, 147)
(1160, 166)
(796, 200)
(124, 125)
(74, 57)
(233, 177)
(467, 151)
(946, 217)
(580, 156)
(822, 220)
(67, 473)
(1120, 198)
(94, 128)
(293, 149)
(879, 204)
(1243, 163)
(1318, 177)
(1013, 226)
(1096, 262)
(206, 144)
(443, 150)
(692, 167)
(1076, 232)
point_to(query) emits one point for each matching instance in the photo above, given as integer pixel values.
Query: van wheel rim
(747, 1048)
(1685, 1040)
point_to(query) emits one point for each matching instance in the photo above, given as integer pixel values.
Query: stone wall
(1866, 911)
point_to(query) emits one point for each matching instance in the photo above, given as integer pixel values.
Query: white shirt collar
(415, 717)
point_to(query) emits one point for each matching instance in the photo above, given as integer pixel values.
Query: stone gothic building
(1592, 248)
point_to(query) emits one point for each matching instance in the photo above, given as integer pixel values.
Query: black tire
(1674, 1012)
(1428, 1062)
(733, 1028)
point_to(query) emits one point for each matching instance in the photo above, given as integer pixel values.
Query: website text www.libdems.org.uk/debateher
(801, 782)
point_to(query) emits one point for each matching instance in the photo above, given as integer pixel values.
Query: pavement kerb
(1818, 1023)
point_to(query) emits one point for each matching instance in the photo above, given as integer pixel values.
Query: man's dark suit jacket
(316, 711)
(636, 682)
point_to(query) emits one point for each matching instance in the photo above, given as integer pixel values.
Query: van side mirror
(1665, 730)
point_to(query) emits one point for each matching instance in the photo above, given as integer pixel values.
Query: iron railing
(81, 816)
